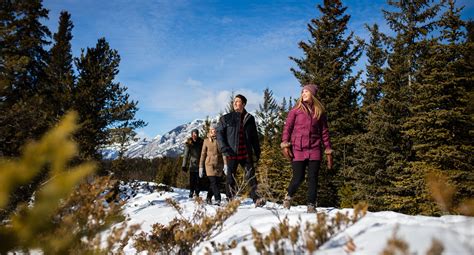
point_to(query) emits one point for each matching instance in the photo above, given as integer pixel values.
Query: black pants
(299, 168)
(193, 183)
(250, 178)
(214, 188)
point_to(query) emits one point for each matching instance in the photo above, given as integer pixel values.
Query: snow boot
(311, 208)
(260, 202)
(287, 202)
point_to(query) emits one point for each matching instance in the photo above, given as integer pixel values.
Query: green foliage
(22, 64)
(165, 170)
(274, 171)
(103, 104)
(64, 205)
(328, 62)
(60, 75)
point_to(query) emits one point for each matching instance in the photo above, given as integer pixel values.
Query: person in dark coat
(237, 139)
(192, 154)
(306, 130)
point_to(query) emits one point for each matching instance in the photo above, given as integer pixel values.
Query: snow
(170, 144)
(370, 234)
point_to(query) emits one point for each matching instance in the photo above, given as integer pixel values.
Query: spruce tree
(363, 177)
(376, 57)
(59, 71)
(329, 58)
(274, 171)
(267, 113)
(102, 103)
(411, 21)
(439, 124)
(22, 63)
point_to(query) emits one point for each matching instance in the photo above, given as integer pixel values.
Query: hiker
(214, 164)
(237, 139)
(192, 153)
(306, 129)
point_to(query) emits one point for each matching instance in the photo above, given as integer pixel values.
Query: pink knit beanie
(311, 88)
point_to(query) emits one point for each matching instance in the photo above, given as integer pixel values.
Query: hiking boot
(259, 202)
(218, 203)
(191, 195)
(311, 208)
(209, 201)
(287, 202)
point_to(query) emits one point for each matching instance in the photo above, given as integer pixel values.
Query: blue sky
(182, 59)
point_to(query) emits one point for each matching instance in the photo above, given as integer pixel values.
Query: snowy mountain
(369, 235)
(171, 144)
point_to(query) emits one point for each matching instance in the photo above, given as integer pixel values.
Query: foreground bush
(67, 214)
(182, 234)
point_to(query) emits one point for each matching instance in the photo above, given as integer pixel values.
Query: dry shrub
(398, 246)
(182, 235)
(305, 238)
(443, 193)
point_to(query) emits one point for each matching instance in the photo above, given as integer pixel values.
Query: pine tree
(439, 124)
(103, 104)
(328, 62)
(230, 105)
(267, 113)
(362, 178)
(22, 64)
(411, 21)
(377, 57)
(274, 171)
(59, 70)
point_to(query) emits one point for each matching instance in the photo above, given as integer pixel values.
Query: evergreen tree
(412, 21)
(230, 106)
(328, 62)
(439, 124)
(377, 57)
(103, 104)
(22, 64)
(267, 114)
(274, 171)
(59, 71)
(362, 178)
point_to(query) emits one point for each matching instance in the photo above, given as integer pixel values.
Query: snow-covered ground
(370, 234)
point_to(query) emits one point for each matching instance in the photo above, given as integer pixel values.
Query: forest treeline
(407, 115)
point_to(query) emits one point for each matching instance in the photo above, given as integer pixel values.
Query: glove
(287, 153)
(184, 169)
(226, 169)
(329, 160)
(201, 172)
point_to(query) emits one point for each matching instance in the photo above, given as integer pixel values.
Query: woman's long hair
(318, 108)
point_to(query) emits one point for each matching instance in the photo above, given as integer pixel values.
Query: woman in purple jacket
(306, 129)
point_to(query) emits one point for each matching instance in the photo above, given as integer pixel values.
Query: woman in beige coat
(214, 162)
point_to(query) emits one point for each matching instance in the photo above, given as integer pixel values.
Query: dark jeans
(250, 178)
(299, 168)
(194, 183)
(214, 188)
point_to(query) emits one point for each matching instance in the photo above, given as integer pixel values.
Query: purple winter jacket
(306, 135)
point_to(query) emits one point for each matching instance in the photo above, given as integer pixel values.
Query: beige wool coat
(211, 158)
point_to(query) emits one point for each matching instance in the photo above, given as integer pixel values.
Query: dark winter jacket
(306, 135)
(192, 154)
(228, 134)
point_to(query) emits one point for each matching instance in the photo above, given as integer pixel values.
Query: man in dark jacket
(237, 139)
(192, 154)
